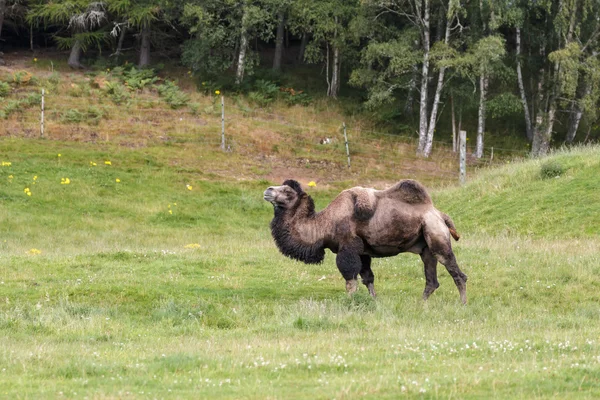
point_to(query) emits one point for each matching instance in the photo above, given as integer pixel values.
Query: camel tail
(450, 226)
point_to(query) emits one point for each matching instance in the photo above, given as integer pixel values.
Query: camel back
(408, 191)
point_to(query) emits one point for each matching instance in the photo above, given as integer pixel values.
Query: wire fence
(218, 125)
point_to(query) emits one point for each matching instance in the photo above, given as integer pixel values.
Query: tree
(83, 19)
(221, 32)
(328, 24)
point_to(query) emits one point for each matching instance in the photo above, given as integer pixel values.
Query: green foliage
(116, 92)
(172, 95)
(20, 105)
(551, 169)
(138, 79)
(91, 116)
(5, 89)
(504, 105)
(264, 92)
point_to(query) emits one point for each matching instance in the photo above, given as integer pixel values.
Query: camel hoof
(371, 288)
(351, 286)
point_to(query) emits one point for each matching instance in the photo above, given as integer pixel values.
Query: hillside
(519, 199)
(271, 132)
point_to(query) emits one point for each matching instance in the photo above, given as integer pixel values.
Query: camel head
(285, 196)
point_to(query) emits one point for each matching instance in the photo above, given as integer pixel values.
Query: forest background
(524, 69)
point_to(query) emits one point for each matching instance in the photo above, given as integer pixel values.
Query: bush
(551, 169)
(92, 116)
(73, 116)
(138, 79)
(264, 92)
(172, 95)
(4, 89)
(116, 92)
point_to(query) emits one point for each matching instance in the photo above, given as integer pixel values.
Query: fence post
(42, 116)
(223, 123)
(463, 157)
(346, 140)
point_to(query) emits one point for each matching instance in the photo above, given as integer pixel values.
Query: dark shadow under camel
(362, 223)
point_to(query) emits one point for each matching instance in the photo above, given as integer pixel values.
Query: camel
(363, 223)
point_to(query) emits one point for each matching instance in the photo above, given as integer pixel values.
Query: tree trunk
(145, 48)
(302, 50)
(454, 131)
(577, 114)
(75, 56)
(545, 121)
(2, 11)
(239, 75)
(528, 127)
(279, 41)
(120, 42)
(412, 88)
(335, 73)
(436, 101)
(424, 80)
(483, 85)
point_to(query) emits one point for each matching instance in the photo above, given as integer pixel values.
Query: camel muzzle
(268, 195)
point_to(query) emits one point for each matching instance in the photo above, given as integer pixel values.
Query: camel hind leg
(437, 237)
(430, 269)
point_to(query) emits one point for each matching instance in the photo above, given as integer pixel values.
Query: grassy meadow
(140, 278)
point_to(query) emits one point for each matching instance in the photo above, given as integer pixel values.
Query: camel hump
(409, 191)
(365, 202)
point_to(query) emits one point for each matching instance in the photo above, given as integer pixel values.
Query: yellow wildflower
(170, 211)
(107, 69)
(312, 184)
(189, 187)
(10, 177)
(28, 193)
(6, 163)
(117, 180)
(217, 92)
(192, 246)
(35, 60)
(35, 177)
(60, 155)
(34, 251)
(92, 164)
(65, 181)
(26, 190)
(107, 162)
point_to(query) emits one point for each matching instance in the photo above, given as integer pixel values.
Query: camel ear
(294, 185)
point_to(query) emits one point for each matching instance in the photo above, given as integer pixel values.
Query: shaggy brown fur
(362, 223)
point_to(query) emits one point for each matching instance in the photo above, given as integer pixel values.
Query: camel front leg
(349, 263)
(367, 274)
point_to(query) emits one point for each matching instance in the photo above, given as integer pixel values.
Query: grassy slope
(515, 199)
(116, 305)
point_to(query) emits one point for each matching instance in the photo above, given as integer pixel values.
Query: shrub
(551, 169)
(264, 92)
(73, 116)
(91, 116)
(138, 79)
(116, 92)
(4, 89)
(172, 95)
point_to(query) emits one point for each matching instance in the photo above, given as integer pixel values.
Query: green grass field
(143, 288)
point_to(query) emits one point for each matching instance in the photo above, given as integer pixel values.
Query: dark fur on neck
(283, 233)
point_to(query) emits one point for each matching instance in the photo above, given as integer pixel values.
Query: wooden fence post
(223, 123)
(42, 116)
(463, 157)
(346, 140)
